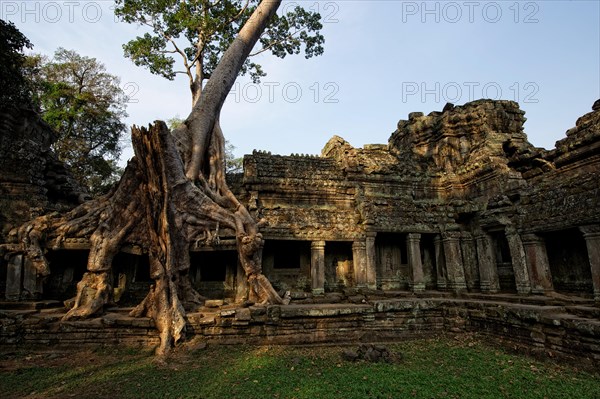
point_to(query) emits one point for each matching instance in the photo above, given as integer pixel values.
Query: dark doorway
(131, 278)
(569, 262)
(287, 264)
(67, 268)
(428, 260)
(506, 272)
(213, 273)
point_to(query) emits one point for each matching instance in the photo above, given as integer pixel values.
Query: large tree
(172, 193)
(86, 106)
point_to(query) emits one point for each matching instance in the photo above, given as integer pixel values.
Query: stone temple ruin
(457, 224)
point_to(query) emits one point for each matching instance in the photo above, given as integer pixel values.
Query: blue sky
(383, 59)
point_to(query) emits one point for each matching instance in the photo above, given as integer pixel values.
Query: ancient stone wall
(568, 331)
(567, 193)
(32, 180)
(300, 197)
(462, 190)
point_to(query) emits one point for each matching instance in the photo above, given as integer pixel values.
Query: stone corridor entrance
(569, 262)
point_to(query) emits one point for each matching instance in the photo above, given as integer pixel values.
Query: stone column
(371, 261)
(453, 258)
(440, 263)
(488, 270)
(415, 263)
(317, 267)
(538, 266)
(14, 278)
(359, 258)
(32, 283)
(517, 254)
(592, 241)
(469, 256)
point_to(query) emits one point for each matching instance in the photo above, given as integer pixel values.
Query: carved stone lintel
(590, 230)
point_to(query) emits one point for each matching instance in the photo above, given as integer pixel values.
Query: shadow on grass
(432, 368)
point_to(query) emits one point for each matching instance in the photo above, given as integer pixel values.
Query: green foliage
(174, 122)
(200, 31)
(430, 368)
(14, 85)
(86, 106)
(232, 164)
(147, 51)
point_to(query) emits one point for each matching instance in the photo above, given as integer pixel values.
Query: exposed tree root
(171, 194)
(157, 207)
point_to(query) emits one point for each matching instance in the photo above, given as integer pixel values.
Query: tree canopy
(200, 31)
(14, 85)
(86, 107)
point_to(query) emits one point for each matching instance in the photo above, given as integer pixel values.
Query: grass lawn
(444, 367)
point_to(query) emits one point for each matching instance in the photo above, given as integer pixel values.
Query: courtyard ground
(448, 366)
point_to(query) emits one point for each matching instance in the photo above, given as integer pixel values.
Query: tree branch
(183, 55)
(271, 45)
(235, 18)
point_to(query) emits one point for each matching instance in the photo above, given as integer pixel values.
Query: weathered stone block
(213, 303)
(243, 314)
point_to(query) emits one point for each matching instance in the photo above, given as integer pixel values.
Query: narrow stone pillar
(359, 258)
(469, 257)
(371, 261)
(14, 278)
(537, 263)
(415, 263)
(32, 283)
(488, 270)
(517, 254)
(453, 258)
(592, 241)
(317, 267)
(440, 263)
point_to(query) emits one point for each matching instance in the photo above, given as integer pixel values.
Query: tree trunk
(173, 193)
(201, 121)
